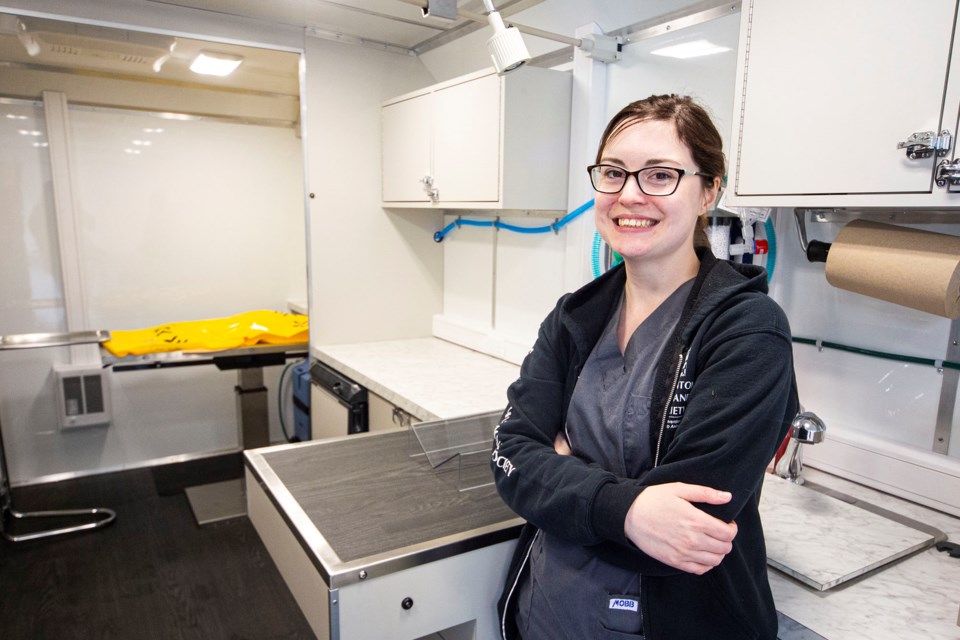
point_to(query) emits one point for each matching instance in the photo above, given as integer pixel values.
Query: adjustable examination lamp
(506, 45)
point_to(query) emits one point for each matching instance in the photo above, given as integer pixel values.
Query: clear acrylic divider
(460, 445)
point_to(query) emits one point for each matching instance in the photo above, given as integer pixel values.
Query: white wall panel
(529, 279)
(206, 221)
(884, 399)
(468, 265)
(31, 289)
(376, 274)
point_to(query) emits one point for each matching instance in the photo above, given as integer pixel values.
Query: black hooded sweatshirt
(724, 396)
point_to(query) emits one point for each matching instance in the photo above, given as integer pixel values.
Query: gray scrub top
(569, 592)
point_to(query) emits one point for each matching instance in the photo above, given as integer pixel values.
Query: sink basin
(823, 538)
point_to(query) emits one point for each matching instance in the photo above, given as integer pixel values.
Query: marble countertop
(429, 378)
(915, 597)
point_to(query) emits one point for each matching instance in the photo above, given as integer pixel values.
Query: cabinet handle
(432, 192)
(407, 603)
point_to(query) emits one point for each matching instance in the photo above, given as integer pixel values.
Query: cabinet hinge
(924, 144)
(948, 173)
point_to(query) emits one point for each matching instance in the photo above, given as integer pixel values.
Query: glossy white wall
(205, 221)
(376, 274)
(200, 219)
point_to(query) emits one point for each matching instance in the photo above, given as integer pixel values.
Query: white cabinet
(481, 141)
(825, 92)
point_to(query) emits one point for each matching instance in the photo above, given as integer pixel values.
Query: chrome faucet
(806, 428)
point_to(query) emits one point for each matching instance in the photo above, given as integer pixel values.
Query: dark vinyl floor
(153, 573)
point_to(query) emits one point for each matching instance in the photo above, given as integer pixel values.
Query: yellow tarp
(242, 330)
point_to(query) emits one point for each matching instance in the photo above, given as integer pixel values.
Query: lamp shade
(506, 46)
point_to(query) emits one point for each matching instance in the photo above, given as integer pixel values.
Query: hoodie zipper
(666, 407)
(516, 581)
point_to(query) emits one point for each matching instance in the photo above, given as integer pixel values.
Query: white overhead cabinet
(842, 104)
(481, 141)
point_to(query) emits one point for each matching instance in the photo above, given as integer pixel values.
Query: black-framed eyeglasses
(653, 181)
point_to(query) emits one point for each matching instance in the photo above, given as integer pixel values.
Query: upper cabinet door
(467, 140)
(406, 149)
(827, 90)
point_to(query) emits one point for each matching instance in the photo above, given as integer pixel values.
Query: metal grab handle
(37, 340)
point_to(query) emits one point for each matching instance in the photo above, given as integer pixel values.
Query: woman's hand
(664, 524)
(561, 446)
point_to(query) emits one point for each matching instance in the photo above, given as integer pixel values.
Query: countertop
(430, 378)
(915, 597)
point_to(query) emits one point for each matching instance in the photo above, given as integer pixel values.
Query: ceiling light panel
(211, 63)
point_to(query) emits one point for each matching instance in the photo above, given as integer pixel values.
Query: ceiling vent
(93, 47)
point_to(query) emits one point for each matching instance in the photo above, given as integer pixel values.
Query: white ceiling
(392, 24)
(389, 23)
(395, 23)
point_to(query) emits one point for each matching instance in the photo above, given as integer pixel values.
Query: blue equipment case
(301, 401)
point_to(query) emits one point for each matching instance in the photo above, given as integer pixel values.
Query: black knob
(817, 251)
(407, 603)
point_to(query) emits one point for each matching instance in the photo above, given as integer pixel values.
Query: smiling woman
(636, 455)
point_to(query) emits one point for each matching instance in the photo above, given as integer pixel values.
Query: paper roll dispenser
(913, 268)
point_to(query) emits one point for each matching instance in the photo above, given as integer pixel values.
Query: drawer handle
(407, 603)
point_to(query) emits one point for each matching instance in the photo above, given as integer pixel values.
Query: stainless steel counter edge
(313, 543)
(332, 569)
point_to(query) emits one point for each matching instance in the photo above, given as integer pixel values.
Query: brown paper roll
(916, 269)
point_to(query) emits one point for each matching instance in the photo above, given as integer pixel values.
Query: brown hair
(694, 128)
